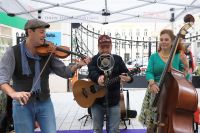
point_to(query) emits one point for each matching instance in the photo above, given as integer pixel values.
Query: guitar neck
(117, 79)
(112, 81)
(70, 52)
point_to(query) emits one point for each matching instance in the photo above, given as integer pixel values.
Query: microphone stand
(106, 78)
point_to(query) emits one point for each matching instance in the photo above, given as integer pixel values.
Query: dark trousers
(6, 120)
(3, 122)
(9, 110)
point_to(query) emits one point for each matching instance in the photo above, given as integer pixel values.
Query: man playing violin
(30, 75)
(110, 103)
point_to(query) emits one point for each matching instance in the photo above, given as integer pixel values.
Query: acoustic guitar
(86, 91)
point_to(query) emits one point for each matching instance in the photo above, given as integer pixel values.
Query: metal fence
(84, 40)
(128, 47)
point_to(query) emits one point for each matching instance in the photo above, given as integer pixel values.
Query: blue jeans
(98, 112)
(24, 116)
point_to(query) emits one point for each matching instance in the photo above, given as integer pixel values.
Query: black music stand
(126, 117)
(129, 113)
(86, 116)
(3, 122)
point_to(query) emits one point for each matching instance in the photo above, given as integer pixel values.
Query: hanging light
(172, 19)
(39, 14)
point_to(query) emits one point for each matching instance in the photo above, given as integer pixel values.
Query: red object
(197, 116)
(192, 61)
(37, 125)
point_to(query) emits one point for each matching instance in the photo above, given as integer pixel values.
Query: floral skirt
(148, 113)
(3, 102)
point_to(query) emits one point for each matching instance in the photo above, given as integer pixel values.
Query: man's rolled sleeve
(60, 69)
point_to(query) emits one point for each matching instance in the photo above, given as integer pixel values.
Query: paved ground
(68, 112)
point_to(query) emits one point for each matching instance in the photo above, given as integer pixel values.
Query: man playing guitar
(110, 102)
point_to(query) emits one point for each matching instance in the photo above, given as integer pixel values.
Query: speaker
(75, 25)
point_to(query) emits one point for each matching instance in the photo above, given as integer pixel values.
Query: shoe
(13, 131)
(11, 128)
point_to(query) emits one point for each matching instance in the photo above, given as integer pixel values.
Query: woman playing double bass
(155, 68)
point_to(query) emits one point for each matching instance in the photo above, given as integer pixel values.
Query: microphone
(105, 62)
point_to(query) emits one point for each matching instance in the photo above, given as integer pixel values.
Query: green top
(156, 66)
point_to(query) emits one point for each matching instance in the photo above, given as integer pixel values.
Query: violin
(49, 48)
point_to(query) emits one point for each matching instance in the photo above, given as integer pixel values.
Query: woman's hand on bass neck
(153, 87)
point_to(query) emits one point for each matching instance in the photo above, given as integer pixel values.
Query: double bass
(177, 99)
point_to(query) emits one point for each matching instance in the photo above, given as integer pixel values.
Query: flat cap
(35, 23)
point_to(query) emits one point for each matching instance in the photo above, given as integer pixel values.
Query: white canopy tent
(101, 11)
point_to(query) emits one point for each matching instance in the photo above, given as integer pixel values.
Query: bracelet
(78, 66)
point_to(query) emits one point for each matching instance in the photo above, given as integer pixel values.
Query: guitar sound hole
(85, 92)
(92, 89)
